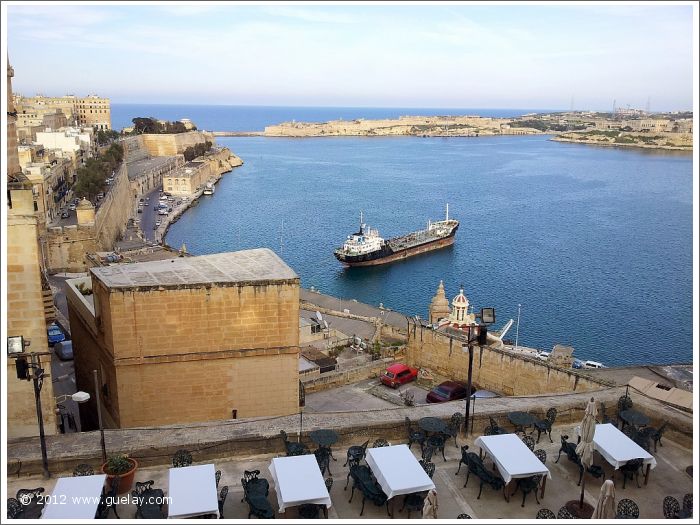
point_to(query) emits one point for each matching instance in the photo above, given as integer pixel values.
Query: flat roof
(243, 267)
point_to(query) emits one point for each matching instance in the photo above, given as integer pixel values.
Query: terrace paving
(668, 478)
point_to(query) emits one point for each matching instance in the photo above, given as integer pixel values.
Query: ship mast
(447, 211)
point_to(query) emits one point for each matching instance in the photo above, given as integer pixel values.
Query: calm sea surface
(594, 243)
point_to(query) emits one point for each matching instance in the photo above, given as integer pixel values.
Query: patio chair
(14, 509)
(217, 477)
(529, 441)
(437, 441)
(182, 458)
(671, 507)
(310, 511)
(527, 485)
(254, 484)
(292, 448)
(541, 455)
(147, 506)
(428, 467)
(474, 464)
(83, 470)
(624, 403)
(545, 425)
(627, 510)
(414, 436)
(353, 463)
(255, 492)
(452, 429)
(360, 474)
(222, 499)
(380, 443)
(413, 502)
(357, 452)
(32, 502)
(464, 516)
(373, 492)
(564, 514)
(545, 514)
(323, 458)
(631, 470)
(108, 500)
(570, 450)
(688, 504)
(486, 477)
(493, 429)
(655, 434)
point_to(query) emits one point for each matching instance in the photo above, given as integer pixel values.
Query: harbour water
(594, 243)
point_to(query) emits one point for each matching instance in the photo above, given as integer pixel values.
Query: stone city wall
(173, 144)
(115, 210)
(493, 369)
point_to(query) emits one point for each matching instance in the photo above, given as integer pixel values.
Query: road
(149, 216)
(395, 319)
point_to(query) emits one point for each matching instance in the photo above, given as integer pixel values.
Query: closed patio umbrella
(430, 506)
(585, 451)
(605, 507)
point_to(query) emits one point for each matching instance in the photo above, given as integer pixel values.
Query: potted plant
(120, 469)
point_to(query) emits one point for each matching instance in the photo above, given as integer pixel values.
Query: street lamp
(32, 370)
(78, 397)
(476, 333)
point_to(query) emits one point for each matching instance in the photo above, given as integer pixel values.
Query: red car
(447, 391)
(398, 374)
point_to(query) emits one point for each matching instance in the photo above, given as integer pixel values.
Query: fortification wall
(116, 208)
(173, 144)
(493, 369)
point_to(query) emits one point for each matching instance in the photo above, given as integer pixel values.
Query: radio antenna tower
(614, 106)
(648, 104)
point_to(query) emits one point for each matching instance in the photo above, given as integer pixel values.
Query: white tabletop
(616, 447)
(298, 480)
(74, 498)
(192, 491)
(397, 470)
(511, 456)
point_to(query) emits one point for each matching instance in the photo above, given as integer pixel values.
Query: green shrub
(118, 464)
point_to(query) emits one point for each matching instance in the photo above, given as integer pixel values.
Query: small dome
(85, 204)
(460, 300)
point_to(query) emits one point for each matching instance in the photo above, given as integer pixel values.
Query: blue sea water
(595, 243)
(255, 118)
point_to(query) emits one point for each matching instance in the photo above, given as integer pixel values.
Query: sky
(451, 55)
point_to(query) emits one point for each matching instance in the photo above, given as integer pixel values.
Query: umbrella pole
(583, 487)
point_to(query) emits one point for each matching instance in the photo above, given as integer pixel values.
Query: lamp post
(476, 333)
(517, 329)
(99, 417)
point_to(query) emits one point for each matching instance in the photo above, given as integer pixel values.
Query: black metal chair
(541, 455)
(688, 505)
(323, 458)
(529, 441)
(357, 452)
(217, 477)
(671, 507)
(655, 434)
(631, 470)
(452, 429)
(427, 453)
(364, 481)
(222, 499)
(624, 403)
(380, 443)
(149, 501)
(32, 502)
(486, 477)
(428, 467)
(493, 429)
(292, 448)
(545, 425)
(255, 490)
(564, 514)
(437, 441)
(83, 470)
(108, 501)
(311, 511)
(570, 450)
(464, 517)
(413, 502)
(527, 485)
(14, 509)
(182, 458)
(627, 510)
(545, 514)
(414, 436)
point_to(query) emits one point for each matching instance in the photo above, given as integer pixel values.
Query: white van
(593, 364)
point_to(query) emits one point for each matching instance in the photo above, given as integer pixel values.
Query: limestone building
(92, 111)
(188, 339)
(187, 179)
(24, 293)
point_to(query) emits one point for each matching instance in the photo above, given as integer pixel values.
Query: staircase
(49, 309)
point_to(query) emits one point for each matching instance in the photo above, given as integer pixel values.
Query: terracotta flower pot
(125, 480)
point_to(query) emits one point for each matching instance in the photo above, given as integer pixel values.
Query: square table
(298, 480)
(397, 471)
(74, 498)
(192, 491)
(513, 458)
(618, 449)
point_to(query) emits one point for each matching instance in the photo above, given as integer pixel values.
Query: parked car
(577, 364)
(398, 374)
(72, 207)
(65, 215)
(55, 334)
(140, 210)
(593, 364)
(64, 350)
(447, 391)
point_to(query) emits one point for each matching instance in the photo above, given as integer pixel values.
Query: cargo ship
(367, 248)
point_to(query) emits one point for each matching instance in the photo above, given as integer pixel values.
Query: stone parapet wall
(345, 377)
(243, 438)
(493, 369)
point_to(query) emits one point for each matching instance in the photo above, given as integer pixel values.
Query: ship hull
(391, 256)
